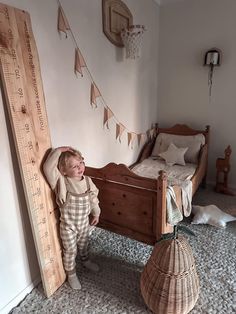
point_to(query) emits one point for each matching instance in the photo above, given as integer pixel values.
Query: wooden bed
(135, 206)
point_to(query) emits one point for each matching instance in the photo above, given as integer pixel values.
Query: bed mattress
(151, 166)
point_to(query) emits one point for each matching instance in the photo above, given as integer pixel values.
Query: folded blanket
(174, 214)
(186, 190)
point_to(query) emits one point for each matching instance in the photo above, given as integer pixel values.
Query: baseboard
(19, 297)
(212, 184)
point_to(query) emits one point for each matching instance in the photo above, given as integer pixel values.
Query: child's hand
(94, 220)
(65, 148)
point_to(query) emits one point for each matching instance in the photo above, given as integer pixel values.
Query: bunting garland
(119, 130)
(62, 24)
(107, 115)
(95, 94)
(79, 62)
(141, 139)
(131, 137)
(150, 134)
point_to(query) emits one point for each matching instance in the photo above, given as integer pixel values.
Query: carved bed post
(222, 170)
(161, 225)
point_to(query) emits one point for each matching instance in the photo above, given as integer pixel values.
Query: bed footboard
(131, 205)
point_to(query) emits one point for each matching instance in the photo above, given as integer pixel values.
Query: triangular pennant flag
(94, 94)
(62, 24)
(155, 132)
(131, 137)
(151, 133)
(107, 115)
(119, 130)
(141, 138)
(79, 62)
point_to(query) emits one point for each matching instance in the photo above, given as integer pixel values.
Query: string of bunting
(96, 97)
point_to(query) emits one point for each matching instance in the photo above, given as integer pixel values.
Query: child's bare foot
(91, 266)
(74, 282)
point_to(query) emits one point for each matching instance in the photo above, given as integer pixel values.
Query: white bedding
(176, 175)
(151, 166)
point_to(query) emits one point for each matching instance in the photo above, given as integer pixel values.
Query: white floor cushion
(211, 215)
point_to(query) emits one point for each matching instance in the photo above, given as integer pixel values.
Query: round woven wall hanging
(169, 281)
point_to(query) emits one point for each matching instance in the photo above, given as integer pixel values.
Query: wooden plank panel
(23, 90)
(121, 174)
(127, 206)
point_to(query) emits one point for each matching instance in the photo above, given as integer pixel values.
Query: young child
(76, 196)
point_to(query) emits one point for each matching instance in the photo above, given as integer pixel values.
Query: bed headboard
(177, 129)
(183, 129)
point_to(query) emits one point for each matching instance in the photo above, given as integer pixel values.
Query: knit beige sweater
(58, 185)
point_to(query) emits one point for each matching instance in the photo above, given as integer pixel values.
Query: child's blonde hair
(62, 163)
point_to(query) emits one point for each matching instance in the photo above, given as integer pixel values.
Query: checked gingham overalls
(75, 228)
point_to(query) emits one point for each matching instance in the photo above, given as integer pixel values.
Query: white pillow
(174, 155)
(211, 215)
(193, 142)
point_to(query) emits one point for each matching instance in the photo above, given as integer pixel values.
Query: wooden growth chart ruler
(24, 97)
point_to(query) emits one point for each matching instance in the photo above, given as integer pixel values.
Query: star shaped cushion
(174, 155)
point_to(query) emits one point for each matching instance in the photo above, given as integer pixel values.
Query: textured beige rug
(115, 289)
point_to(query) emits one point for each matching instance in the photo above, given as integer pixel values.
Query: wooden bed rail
(131, 205)
(120, 174)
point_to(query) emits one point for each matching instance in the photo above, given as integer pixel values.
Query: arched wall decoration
(116, 16)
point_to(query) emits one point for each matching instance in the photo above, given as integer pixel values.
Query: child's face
(74, 168)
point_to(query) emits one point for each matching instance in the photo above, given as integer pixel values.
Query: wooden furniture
(25, 103)
(222, 171)
(169, 281)
(135, 206)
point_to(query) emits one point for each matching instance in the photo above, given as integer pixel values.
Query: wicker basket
(169, 281)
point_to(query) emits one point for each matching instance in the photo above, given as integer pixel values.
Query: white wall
(188, 29)
(128, 87)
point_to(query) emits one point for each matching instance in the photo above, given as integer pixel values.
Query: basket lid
(173, 256)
